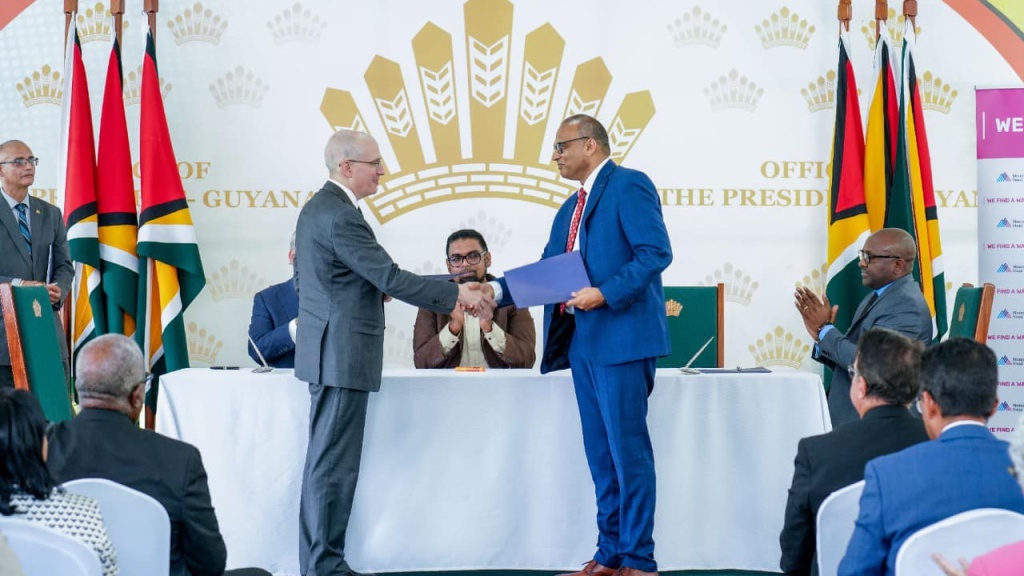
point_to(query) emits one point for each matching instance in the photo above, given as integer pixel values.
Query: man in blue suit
(963, 468)
(272, 326)
(610, 335)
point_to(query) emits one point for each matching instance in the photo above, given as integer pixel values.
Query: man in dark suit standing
(272, 326)
(610, 335)
(342, 275)
(895, 302)
(884, 382)
(105, 441)
(33, 242)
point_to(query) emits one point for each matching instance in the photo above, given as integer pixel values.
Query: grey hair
(343, 145)
(109, 367)
(1017, 452)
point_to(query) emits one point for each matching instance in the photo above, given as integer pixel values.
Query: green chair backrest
(966, 308)
(693, 318)
(41, 351)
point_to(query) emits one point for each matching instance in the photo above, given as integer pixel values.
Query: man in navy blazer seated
(273, 323)
(610, 335)
(963, 468)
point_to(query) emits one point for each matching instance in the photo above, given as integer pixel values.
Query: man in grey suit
(342, 276)
(895, 302)
(33, 242)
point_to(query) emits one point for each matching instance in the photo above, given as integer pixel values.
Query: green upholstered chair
(972, 311)
(35, 350)
(695, 315)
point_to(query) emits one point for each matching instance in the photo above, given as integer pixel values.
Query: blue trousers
(613, 411)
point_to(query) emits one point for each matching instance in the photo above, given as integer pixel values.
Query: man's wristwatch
(817, 331)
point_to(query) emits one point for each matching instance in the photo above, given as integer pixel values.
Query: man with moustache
(458, 339)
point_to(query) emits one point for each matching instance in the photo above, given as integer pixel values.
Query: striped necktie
(23, 226)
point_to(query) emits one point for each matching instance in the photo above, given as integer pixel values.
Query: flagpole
(70, 8)
(910, 11)
(151, 7)
(844, 14)
(881, 15)
(117, 10)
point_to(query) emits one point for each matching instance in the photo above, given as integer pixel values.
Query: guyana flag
(912, 201)
(847, 213)
(170, 269)
(882, 134)
(118, 223)
(76, 180)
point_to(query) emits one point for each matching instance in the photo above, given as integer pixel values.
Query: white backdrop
(736, 141)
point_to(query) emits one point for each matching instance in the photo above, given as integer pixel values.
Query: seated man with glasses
(446, 341)
(104, 441)
(885, 377)
(895, 302)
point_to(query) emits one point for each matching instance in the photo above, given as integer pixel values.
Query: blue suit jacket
(272, 309)
(964, 469)
(625, 247)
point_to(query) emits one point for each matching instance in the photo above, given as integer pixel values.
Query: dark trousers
(613, 411)
(337, 417)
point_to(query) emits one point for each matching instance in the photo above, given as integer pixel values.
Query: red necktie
(574, 227)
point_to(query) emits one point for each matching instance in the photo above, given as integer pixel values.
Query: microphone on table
(686, 369)
(262, 369)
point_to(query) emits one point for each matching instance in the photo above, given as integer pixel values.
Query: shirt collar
(351, 195)
(11, 201)
(589, 184)
(952, 425)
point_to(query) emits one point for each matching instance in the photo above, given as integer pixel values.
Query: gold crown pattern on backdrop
(739, 287)
(44, 86)
(733, 91)
(133, 87)
(673, 308)
(239, 87)
(784, 28)
(94, 25)
(815, 281)
(697, 27)
(529, 175)
(197, 24)
(936, 94)
(821, 94)
(495, 232)
(234, 281)
(296, 24)
(203, 346)
(895, 24)
(780, 348)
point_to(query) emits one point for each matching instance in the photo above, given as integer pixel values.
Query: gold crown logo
(239, 87)
(739, 287)
(296, 24)
(821, 94)
(133, 87)
(490, 226)
(37, 309)
(936, 94)
(233, 281)
(784, 28)
(203, 346)
(779, 349)
(528, 175)
(894, 23)
(960, 312)
(197, 24)
(44, 86)
(816, 280)
(697, 27)
(733, 91)
(673, 308)
(94, 24)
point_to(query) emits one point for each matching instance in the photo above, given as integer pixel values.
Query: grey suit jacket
(342, 274)
(48, 236)
(901, 307)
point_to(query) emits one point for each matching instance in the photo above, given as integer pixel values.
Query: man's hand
(457, 320)
(476, 299)
(586, 299)
(54, 291)
(949, 568)
(815, 312)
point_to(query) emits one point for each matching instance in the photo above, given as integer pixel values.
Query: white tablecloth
(467, 471)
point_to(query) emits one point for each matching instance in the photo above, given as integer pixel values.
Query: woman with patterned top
(28, 491)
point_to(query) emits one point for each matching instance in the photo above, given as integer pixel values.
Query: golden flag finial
(845, 14)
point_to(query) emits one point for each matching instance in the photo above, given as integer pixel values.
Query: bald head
(897, 242)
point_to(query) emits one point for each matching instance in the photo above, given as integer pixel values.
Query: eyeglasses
(23, 162)
(867, 257)
(473, 258)
(560, 146)
(375, 163)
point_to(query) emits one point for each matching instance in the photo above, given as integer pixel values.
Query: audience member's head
(467, 256)
(959, 381)
(887, 370)
(22, 448)
(110, 374)
(887, 255)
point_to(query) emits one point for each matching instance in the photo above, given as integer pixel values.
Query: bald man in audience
(104, 441)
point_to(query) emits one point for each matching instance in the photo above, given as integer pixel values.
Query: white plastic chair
(837, 517)
(136, 523)
(43, 551)
(965, 535)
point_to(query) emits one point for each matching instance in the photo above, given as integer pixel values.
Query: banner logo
(203, 346)
(94, 24)
(695, 28)
(296, 24)
(239, 87)
(895, 24)
(815, 281)
(936, 94)
(784, 28)
(197, 24)
(739, 287)
(733, 91)
(44, 86)
(233, 281)
(133, 87)
(780, 348)
(821, 94)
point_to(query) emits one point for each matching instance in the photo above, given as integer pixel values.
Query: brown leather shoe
(627, 571)
(592, 568)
